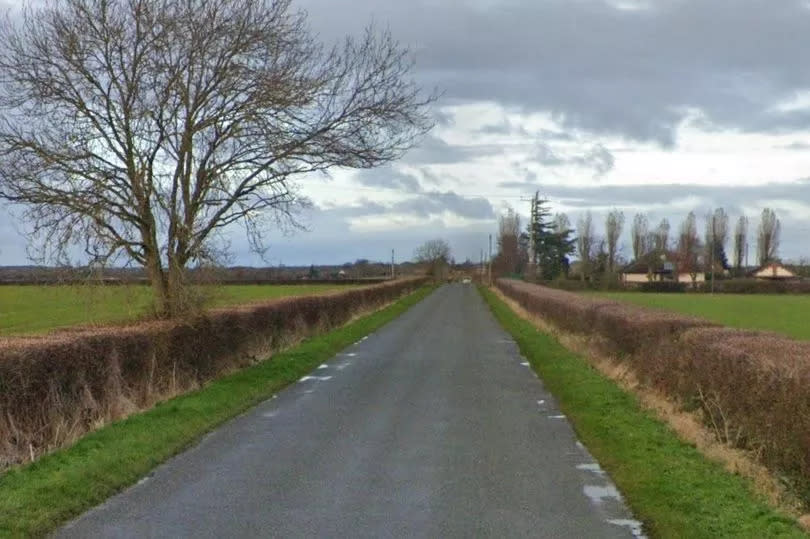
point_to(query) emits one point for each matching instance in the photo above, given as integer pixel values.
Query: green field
(35, 309)
(781, 313)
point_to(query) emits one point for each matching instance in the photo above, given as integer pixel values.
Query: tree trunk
(178, 304)
(160, 288)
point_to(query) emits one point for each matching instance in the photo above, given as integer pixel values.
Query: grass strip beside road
(36, 498)
(668, 484)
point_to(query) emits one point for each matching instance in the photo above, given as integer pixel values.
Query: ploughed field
(781, 313)
(36, 309)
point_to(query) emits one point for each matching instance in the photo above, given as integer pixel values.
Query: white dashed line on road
(597, 493)
(316, 378)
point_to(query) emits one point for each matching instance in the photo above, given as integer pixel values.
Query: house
(773, 271)
(653, 269)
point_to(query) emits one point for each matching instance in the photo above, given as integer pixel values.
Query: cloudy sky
(660, 107)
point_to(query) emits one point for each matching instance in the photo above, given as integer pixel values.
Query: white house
(773, 271)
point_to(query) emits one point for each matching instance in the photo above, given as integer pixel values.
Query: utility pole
(393, 273)
(532, 231)
(489, 277)
(712, 252)
(482, 265)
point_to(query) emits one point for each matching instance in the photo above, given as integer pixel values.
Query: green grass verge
(37, 309)
(668, 484)
(782, 313)
(36, 498)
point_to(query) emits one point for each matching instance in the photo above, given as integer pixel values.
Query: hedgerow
(56, 387)
(752, 387)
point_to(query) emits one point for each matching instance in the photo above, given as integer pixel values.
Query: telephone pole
(532, 231)
(489, 277)
(714, 242)
(393, 271)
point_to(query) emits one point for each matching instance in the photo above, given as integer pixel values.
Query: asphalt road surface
(434, 426)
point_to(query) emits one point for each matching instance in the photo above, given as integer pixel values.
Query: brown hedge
(57, 387)
(625, 328)
(753, 387)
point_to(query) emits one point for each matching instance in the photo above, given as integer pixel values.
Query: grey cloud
(424, 204)
(547, 134)
(432, 178)
(504, 127)
(547, 157)
(443, 119)
(388, 177)
(597, 158)
(732, 198)
(596, 67)
(798, 145)
(362, 208)
(508, 127)
(434, 151)
(436, 202)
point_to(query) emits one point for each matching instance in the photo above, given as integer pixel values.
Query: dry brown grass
(691, 427)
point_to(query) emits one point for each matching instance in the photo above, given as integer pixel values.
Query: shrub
(626, 328)
(56, 387)
(578, 285)
(758, 286)
(571, 285)
(754, 389)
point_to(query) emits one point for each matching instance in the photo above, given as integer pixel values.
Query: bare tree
(614, 224)
(559, 246)
(660, 236)
(717, 237)
(640, 234)
(508, 259)
(585, 243)
(561, 223)
(689, 248)
(768, 239)
(143, 128)
(740, 242)
(435, 254)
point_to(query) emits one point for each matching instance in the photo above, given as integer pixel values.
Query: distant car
(466, 280)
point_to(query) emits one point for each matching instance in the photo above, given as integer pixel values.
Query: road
(434, 426)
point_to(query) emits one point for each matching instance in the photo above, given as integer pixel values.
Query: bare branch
(145, 127)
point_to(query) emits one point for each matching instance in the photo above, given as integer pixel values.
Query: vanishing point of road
(433, 426)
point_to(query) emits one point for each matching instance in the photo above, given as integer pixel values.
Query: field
(35, 309)
(782, 313)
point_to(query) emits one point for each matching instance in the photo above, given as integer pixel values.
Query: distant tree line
(544, 249)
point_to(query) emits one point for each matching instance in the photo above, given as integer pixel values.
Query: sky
(658, 107)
